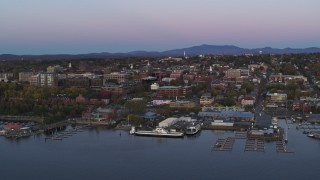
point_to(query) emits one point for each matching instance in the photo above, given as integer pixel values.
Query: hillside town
(221, 92)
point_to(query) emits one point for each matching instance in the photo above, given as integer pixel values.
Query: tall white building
(44, 79)
(154, 86)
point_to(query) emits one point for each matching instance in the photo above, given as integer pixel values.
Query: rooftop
(169, 87)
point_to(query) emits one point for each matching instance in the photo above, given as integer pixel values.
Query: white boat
(133, 130)
(310, 134)
(2, 132)
(193, 129)
(158, 132)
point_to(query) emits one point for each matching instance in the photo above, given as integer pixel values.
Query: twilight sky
(84, 26)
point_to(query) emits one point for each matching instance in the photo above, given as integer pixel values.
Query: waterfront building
(227, 114)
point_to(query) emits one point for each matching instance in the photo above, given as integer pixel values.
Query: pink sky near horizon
(82, 26)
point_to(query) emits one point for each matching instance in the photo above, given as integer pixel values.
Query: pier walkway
(281, 147)
(36, 119)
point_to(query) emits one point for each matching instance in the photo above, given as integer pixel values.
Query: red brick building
(176, 74)
(169, 91)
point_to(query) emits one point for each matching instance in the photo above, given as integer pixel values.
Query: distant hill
(208, 49)
(234, 50)
(190, 51)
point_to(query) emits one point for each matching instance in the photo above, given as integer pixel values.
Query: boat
(2, 132)
(218, 145)
(193, 129)
(316, 135)
(133, 130)
(158, 132)
(310, 134)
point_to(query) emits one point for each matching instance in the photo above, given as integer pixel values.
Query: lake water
(104, 154)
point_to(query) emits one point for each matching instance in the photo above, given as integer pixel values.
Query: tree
(228, 102)
(247, 86)
(232, 93)
(135, 120)
(136, 105)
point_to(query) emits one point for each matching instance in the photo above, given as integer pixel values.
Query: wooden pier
(254, 145)
(240, 135)
(224, 144)
(57, 125)
(226, 128)
(65, 134)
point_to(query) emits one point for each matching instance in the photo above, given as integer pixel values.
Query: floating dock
(224, 144)
(254, 145)
(281, 147)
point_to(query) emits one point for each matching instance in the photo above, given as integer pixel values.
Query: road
(262, 118)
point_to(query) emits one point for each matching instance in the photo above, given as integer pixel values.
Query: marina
(108, 150)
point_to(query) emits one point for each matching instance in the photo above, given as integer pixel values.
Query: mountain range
(190, 51)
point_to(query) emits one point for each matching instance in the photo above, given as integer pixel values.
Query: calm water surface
(104, 154)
